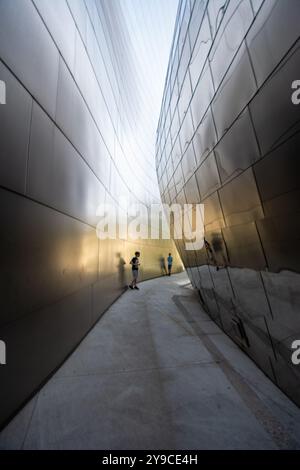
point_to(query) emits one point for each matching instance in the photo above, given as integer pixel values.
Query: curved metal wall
(228, 137)
(67, 144)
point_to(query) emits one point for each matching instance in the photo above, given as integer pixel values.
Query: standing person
(135, 270)
(170, 263)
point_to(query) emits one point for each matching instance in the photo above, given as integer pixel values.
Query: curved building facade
(229, 137)
(72, 136)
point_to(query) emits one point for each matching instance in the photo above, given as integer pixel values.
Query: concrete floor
(156, 373)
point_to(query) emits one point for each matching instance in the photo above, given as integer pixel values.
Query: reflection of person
(135, 270)
(170, 263)
(162, 265)
(121, 270)
(210, 253)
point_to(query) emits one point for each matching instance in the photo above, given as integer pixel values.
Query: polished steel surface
(68, 142)
(235, 136)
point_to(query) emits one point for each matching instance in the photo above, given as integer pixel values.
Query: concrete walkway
(156, 373)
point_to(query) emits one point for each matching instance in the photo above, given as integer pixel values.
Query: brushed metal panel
(178, 179)
(191, 191)
(207, 291)
(261, 348)
(213, 215)
(27, 48)
(280, 239)
(235, 24)
(196, 20)
(202, 46)
(57, 175)
(235, 92)
(172, 190)
(75, 120)
(78, 10)
(105, 292)
(184, 61)
(188, 162)
(44, 256)
(283, 294)
(217, 253)
(216, 10)
(266, 42)
(180, 198)
(175, 125)
(244, 246)
(176, 152)
(186, 131)
(202, 97)
(283, 164)
(240, 200)
(205, 137)
(256, 4)
(238, 149)
(224, 296)
(250, 295)
(38, 343)
(184, 99)
(59, 21)
(207, 176)
(14, 124)
(274, 115)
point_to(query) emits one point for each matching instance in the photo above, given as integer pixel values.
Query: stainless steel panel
(280, 239)
(188, 162)
(202, 97)
(207, 176)
(235, 24)
(216, 10)
(278, 194)
(191, 191)
(176, 152)
(14, 124)
(184, 61)
(235, 92)
(57, 16)
(185, 97)
(275, 117)
(58, 176)
(201, 48)
(178, 179)
(213, 215)
(266, 41)
(256, 4)
(205, 137)
(45, 256)
(196, 20)
(79, 14)
(238, 149)
(39, 343)
(244, 247)
(27, 48)
(186, 131)
(237, 209)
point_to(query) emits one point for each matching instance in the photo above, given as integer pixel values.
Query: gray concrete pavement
(156, 373)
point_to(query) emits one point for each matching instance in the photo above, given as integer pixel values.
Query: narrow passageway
(157, 373)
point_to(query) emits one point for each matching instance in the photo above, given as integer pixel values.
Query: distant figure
(163, 265)
(170, 263)
(135, 270)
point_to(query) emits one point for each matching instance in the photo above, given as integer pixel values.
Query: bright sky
(150, 25)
